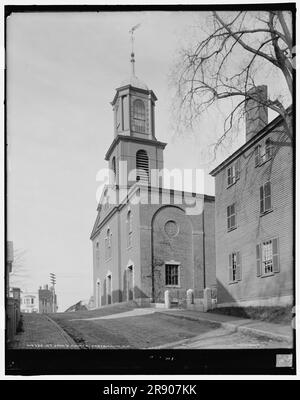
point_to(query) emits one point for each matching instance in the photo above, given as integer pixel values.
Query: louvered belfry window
(139, 116)
(142, 166)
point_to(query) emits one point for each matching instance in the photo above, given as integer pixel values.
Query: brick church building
(147, 238)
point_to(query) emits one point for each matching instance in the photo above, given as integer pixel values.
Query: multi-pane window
(139, 116)
(231, 217)
(235, 267)
(265, 198)
(267, 257)
(233, 173)
(142, 166)
(129, 229)
(172, 275)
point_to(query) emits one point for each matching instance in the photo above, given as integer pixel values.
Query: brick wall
(186, 248)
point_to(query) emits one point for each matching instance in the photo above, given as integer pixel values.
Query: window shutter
(261, 196)
(267, 196)
(230, 267)
(237, 169)
(275, 255)
(258, 260)
(233, 215)
(228, 217)
(257, 156)
(142, 166)
(238, 267)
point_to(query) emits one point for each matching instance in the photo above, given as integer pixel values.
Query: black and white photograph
(150, 189)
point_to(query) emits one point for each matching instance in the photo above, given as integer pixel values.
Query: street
(125, 327)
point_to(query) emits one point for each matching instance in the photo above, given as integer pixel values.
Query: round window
(171, 228)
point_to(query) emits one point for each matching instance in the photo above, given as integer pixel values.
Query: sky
(62, 72)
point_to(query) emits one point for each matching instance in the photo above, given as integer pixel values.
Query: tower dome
(135, 82)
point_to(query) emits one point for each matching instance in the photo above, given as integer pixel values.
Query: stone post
(167, 299)
(207, 299)
(190, 297)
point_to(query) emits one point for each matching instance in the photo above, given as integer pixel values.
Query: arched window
(139, 116)
(129, 228)
(105, 200)
(113, 164)
(142, 166)
(108, 241)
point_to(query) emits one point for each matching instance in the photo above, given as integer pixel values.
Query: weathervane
(132, 46)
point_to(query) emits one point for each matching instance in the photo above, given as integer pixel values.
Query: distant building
(254, 215)
(15, 293)
(9, 261)
(47, 300)
(29, 302)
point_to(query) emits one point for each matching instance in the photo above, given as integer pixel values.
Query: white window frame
(230, 216)
(273, 258)
(267, 258)
(262, 198)
(233, 173)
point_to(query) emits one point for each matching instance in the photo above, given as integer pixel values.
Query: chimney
(256, 111)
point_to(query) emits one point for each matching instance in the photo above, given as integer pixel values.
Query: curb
(63, 333)
(234, 328)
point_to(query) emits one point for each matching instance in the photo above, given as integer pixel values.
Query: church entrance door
(98, 295)
(130, 283)
(109, 289)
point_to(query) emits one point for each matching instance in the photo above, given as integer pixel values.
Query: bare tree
(228, 62)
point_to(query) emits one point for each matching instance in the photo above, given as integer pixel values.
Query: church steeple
(132, 64)
(133, 105)
(134, 131)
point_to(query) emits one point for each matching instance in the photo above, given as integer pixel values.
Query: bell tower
(133, 108)
(135, 154)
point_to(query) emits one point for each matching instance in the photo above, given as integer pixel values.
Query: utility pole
(53, 281)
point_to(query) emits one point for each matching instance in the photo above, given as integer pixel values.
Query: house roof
(263, 132)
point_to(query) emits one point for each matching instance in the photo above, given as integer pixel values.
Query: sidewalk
(41, 332)
(247, 326)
